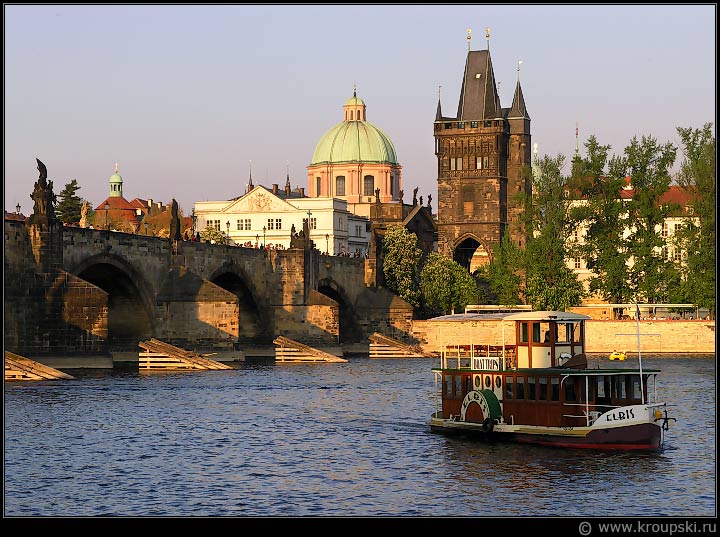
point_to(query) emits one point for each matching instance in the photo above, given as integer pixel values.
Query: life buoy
(488, 425)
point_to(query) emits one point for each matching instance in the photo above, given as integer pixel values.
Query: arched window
(369, 186)
(317, 187)
(351, 115)
(340, 185)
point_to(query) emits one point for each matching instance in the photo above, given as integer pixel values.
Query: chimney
(287, 189)
(302, 192)
(275, 189)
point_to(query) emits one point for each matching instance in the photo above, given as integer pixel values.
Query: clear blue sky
(185, 96)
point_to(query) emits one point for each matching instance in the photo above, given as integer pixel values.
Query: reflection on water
(345, 439)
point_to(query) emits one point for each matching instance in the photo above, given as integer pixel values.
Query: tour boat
(541, 391)
(617, 355)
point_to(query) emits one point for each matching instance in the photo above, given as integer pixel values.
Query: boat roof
(547, 316)
(474, 316)
(566, 371)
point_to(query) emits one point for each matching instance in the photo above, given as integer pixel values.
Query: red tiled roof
(115, 203)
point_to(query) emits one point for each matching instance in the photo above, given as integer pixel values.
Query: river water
(327, 440)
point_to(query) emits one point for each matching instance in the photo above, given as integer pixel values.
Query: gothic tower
(483, 157)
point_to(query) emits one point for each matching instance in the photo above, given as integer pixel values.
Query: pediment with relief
(260, 200)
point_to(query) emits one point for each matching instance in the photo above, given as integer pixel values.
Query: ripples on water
(326, 440)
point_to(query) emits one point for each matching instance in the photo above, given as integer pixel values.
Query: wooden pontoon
(20, 368)
(290, 351)
(382, 346)
(161, 356)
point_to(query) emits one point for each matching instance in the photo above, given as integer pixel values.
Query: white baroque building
(267, 217)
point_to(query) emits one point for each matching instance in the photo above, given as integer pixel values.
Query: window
(620, 391)
(523, 333)
(555, 389)
(461, 125)
(369, 185)
(520, 388)
(270, 224)
(570, 389)
(317, 186)
(458, 384)
(448, 385)
(509, 385)
(452, 164)
(340, 185)
(542, 392)
(664, 232)
(243, 223)
(459, 163)
(214, 224)
(351, 115)
(576, 262)
(531, 388)
(278, 223)
(313, 222)
(473, 124)
(486, 162)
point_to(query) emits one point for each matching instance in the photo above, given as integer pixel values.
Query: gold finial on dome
(116, 167)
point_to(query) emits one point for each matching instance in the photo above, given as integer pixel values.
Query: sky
(187, 99)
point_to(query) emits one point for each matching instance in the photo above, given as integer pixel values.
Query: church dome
(354, 140)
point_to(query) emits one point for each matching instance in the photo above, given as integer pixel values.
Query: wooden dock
(290, 351)
(161, 356)
(20, 368)
(382, 346)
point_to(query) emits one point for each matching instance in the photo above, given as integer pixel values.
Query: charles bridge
(71, 291)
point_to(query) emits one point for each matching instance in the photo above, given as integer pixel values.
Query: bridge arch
(349, 330)
(471, 252)
(130, 307)
(252, 321)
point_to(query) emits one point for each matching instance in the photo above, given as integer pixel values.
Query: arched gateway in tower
(483, 158)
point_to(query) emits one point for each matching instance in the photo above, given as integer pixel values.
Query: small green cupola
(116, 184)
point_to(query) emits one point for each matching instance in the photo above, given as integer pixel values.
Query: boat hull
(635, 437)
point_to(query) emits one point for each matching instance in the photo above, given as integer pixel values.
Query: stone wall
(677, 337)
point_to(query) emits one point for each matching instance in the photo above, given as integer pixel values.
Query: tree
(648, 165)
(697, 238)
(446, 285)
(550, 284)
(212, 235)
(600, 212)
(401, 261)
(69, 205)
(504, 272)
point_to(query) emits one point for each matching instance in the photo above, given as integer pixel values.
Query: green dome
(115, 178)
(354, 141)
(354, 100)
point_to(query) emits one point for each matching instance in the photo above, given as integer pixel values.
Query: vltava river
(346, 439)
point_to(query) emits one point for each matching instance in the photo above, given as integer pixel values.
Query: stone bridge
(70, 290)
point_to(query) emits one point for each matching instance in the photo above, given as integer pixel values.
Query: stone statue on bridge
(83, 214)
(43, 195)
(175, 234)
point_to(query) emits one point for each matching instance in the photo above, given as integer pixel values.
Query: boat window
(531, 389)
(542, 392)
(536, 333)
(448, 385)
(570, 389)
(576, 332)
(620, 391)
(498, 382)
(600, 383)
(477, 381)
(634, 391)
(468, 384)
(458, 384)
(509, 385)
(520, 388)
(555, 389)
(524, 333)
(564, 332)
(488, 381)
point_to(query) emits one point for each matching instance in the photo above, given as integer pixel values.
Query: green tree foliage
(550, 284)
(504, 272)
(601, 213)
(212, 235)
(697, 238)
(401, 261)
(446, 286)
(648, 165)
(69, 204)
